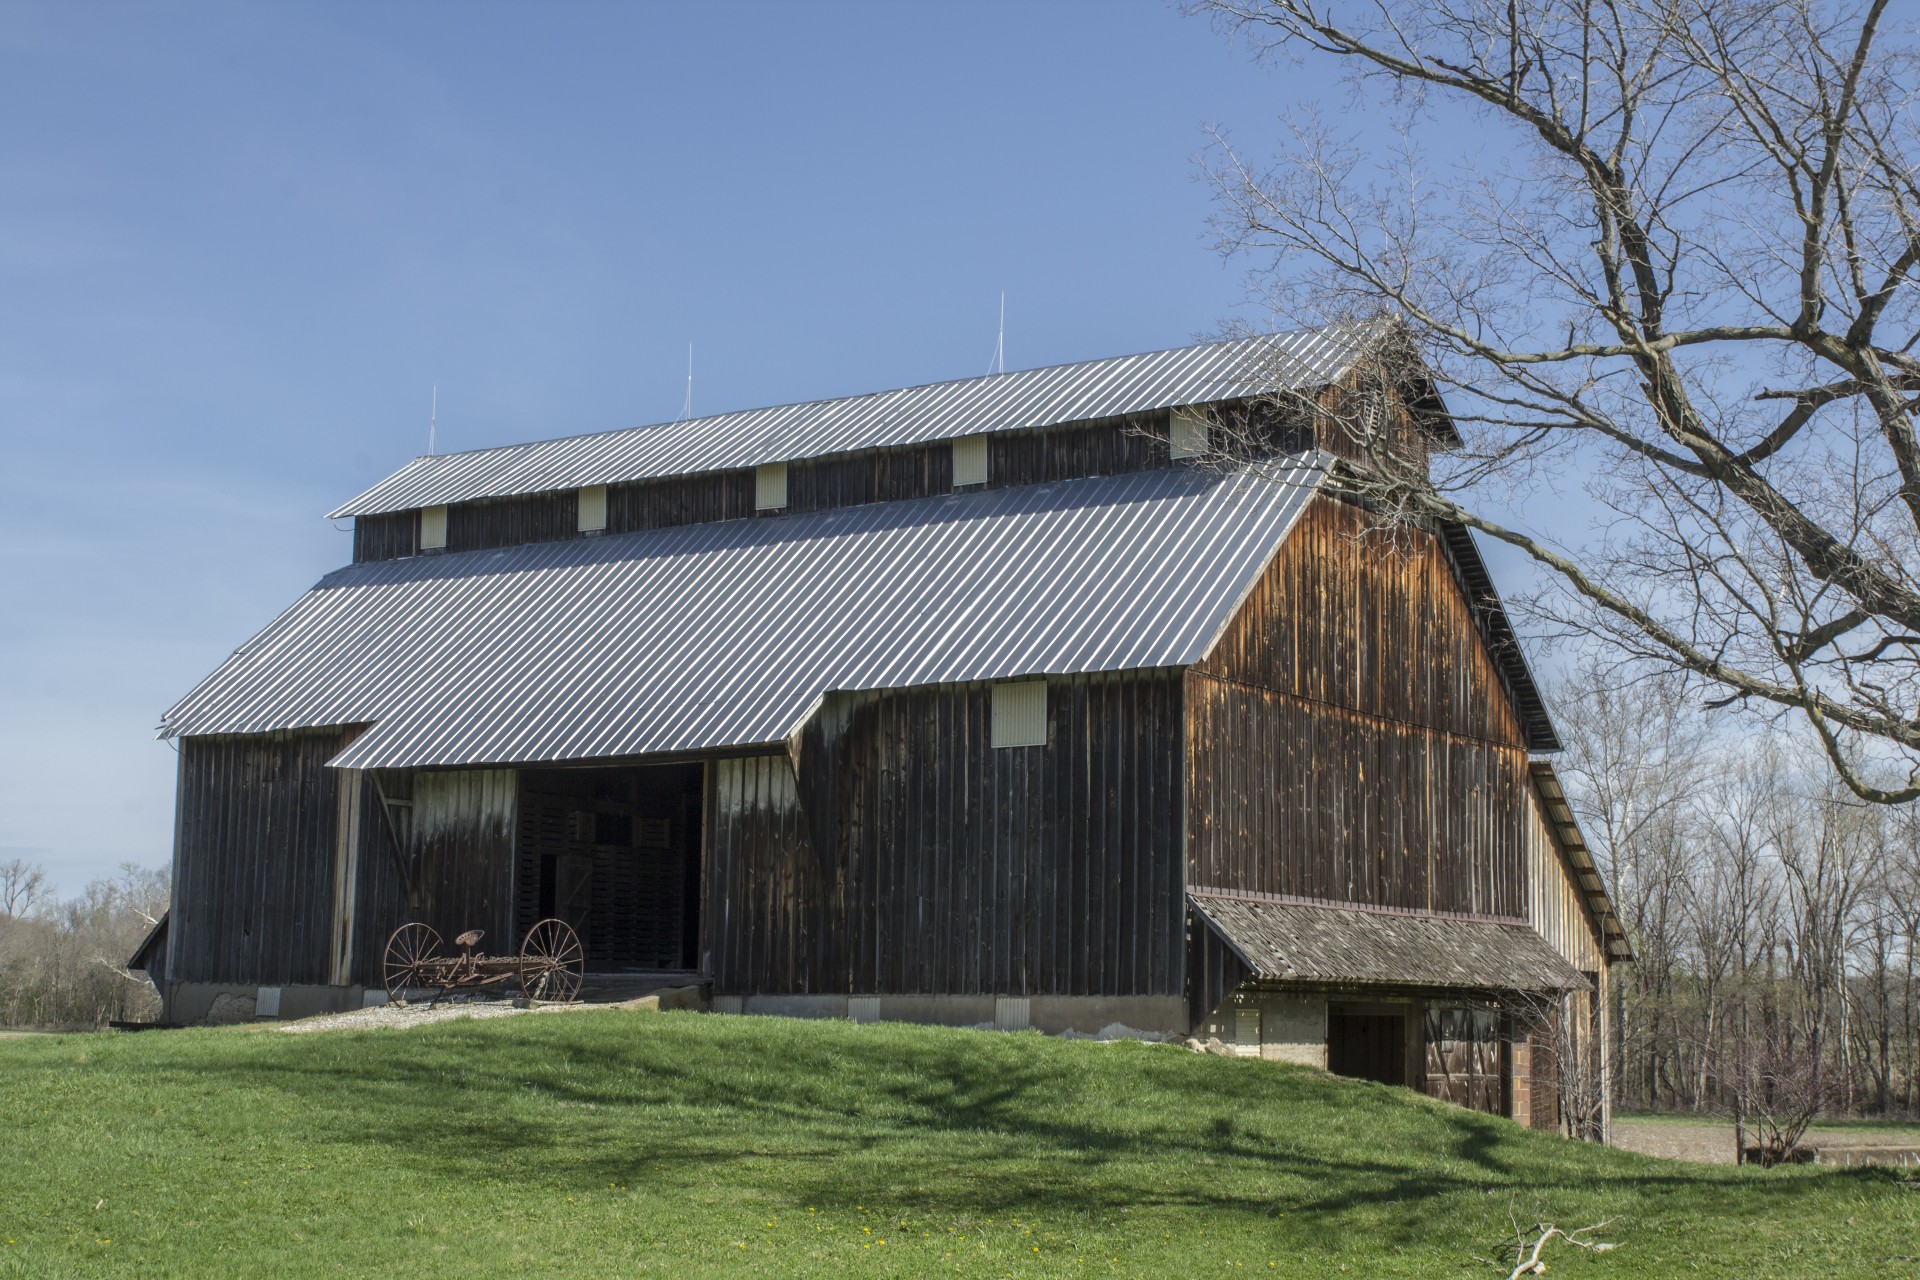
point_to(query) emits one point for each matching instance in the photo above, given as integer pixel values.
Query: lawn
(618, 1143)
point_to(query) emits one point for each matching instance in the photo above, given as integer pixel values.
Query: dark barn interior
(1367, 1046)
(616, 854)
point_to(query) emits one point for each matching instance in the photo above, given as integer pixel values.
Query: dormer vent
(770, 486)
(593, 509)
(1187, 434)
(433, 528)
(969, 461)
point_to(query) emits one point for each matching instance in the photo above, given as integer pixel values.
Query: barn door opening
(1367, 1046)
(616, 854)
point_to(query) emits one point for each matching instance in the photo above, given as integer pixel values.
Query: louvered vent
(1187, 434)
(433, 529)
(770, 486)
(593, 509)
(969, 461)
(1020, 714)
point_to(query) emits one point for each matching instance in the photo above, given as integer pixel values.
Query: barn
(1009, 700)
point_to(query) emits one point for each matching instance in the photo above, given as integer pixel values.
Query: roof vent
(1186, 434)
(969, 461)
(433, 528)
(593, 509)
(770, 486)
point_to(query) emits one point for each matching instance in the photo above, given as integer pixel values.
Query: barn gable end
(1350, 739)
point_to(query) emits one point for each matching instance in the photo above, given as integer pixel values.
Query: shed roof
(1302, 942)
(1021, 400)
(727, 634)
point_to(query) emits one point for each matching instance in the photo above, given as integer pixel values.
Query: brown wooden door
(1466, 1058)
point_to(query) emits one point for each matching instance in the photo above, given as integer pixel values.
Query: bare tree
(1636, 763)
(1689, 274)
(22, 885)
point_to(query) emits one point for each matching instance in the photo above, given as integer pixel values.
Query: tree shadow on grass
(938, 1121)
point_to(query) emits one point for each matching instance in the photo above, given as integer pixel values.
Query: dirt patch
(1702, 1141)
(1710, 1141)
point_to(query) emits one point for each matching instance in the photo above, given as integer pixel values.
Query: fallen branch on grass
(1529, 1254)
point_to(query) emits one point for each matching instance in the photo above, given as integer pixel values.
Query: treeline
(1775, 916)
(62, 960)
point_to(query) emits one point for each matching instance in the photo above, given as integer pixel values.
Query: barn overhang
(1371, 947)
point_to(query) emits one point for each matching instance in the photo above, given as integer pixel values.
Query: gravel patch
(404, 1016)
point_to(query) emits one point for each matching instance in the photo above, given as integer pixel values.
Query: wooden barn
(1000, 701)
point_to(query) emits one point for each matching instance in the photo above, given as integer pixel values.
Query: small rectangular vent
(728, 1004)
(770, 486)
(863, 1008)
(266, 1002)
(1246, 1028)
(969, 461)
(593, 509)
(372, 999)
(1012, 1013)
(1187, 434)
(1020, 714)
(433, 528)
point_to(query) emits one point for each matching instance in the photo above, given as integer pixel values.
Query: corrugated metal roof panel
(1299, 942)
(1015, 401)
(727, 634)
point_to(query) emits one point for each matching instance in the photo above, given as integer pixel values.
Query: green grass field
(616, 1143)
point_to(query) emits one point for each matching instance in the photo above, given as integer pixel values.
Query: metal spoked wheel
(552, 962)
(410, 952)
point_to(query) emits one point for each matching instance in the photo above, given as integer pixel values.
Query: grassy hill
(617, 1143)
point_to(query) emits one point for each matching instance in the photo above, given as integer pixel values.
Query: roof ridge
(868, 395)
(1019, 399)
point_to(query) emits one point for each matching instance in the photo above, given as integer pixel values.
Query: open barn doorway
(1367, 1045)
(616, 854)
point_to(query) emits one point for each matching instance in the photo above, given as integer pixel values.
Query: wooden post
(346, 877)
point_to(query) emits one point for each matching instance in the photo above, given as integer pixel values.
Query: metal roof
(1016, 401)
(1496, 630)
(1312, 942)
(728, 634)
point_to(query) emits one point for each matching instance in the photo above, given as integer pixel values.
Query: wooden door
(1466, 1058)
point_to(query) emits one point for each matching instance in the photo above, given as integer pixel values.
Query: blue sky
(239, 244)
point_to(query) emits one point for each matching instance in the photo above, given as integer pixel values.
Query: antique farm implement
(549, 966)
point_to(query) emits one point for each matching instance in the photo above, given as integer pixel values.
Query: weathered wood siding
(1103, 447)
(913, 857)
(1555, 906)
(507, 522)
(1348, 737)
(656, 504)
(386, 537)
(253, 863)
(1578, 1026)
(382, 894)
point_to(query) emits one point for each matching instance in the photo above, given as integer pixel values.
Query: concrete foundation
(221, 1003)
(1089, 1015)
(1275, 1025)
